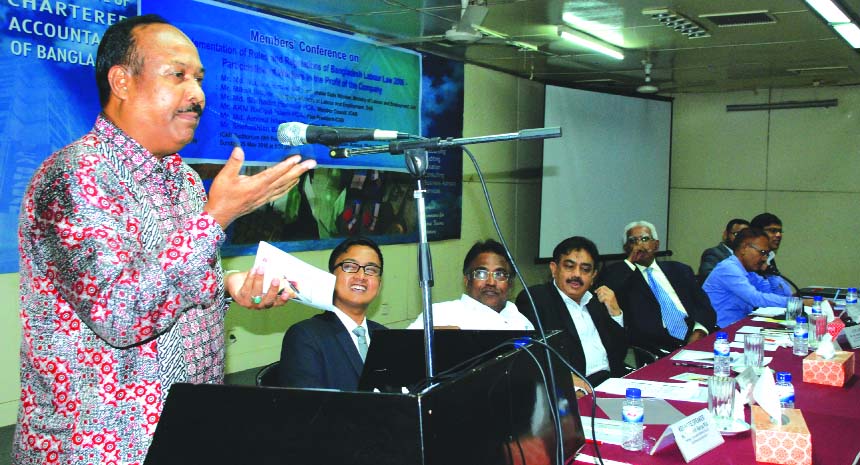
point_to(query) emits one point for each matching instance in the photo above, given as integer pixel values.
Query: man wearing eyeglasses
(723, 250)
(736, 286)
(328, 350)
(593, 321)
(664, 305)
(487, 277)
(772, 226)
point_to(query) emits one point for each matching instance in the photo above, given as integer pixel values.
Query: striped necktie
(362, 341)
(673, 318)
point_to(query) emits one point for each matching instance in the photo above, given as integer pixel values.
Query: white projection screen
(610, 167)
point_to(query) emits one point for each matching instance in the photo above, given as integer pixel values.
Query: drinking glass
(721, 400)
(793, 309)
(754, 351)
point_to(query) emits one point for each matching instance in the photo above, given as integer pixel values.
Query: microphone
(294, 134)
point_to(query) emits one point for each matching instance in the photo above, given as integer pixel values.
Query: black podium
(495, 413)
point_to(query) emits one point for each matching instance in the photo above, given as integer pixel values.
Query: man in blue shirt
(736, 286)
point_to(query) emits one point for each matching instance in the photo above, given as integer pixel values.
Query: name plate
(851, 335)
(695, 435)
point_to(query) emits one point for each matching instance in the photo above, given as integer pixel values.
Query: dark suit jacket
(319, 353)
(554, 315)
(643, 319)
(710, 258)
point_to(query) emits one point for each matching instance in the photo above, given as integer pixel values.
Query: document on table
(772, 340)
(768, 311)
(687, 355)
(315, 287)
(689, 392)
(659, 411)
(608, 431)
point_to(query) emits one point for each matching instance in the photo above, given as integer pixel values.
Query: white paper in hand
(315, 286)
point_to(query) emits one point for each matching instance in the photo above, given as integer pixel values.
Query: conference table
(831, 413)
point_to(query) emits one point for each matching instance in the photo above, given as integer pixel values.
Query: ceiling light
(783, 105)
(601, 31)
(850, 32)
(677, 22)
(829, 11)
(589, 42)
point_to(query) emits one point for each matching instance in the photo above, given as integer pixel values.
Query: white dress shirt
(468, 313)
(350, 325)
(595, 354)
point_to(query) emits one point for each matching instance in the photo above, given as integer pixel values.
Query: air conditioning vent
(740, 18)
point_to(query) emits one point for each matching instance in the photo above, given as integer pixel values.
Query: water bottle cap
(635, 393)
(783, 377)
(817, 298)
(722, 335)
(852, 289)
(800, 319)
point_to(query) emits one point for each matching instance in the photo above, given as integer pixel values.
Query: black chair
(268, 375)
(642, 357)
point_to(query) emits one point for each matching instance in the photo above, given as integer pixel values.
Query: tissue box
(789, 443)
(834, 372)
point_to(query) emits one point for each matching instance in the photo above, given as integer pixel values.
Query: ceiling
(521, 37)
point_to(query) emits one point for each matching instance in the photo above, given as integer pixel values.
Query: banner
(261, 71)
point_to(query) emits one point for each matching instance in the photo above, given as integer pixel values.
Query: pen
(695, 365)
(292, 288)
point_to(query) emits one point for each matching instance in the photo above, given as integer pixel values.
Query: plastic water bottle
(633, 414)
(852, 307)
(722, 357)
(817, 323)
(785, 389)
(801, 337)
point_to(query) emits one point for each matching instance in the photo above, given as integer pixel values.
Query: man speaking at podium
(122, 290)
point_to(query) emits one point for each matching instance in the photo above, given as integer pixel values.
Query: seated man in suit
(328, 350)
(736, 286)
(772, 226)
(664, 307)
(487, 276)
(721, 251)
(593, 322)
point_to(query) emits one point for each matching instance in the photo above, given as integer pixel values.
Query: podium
(497, 412)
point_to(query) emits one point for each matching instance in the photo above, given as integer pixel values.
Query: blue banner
(261, 71)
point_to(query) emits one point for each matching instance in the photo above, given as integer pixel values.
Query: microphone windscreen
(292, 134)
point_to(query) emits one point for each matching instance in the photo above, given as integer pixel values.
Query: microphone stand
(415, 152)
(416, 163)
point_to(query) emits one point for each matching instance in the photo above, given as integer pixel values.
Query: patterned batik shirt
(122, 295)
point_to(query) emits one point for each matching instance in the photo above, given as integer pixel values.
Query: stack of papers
(689, 392)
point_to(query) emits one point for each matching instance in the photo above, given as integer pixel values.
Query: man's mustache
(575, 280)
(194, 107)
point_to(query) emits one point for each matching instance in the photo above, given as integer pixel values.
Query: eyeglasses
(352, 267)
(635, 239)
(483, 275)
(773, 230)
(764, 253)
